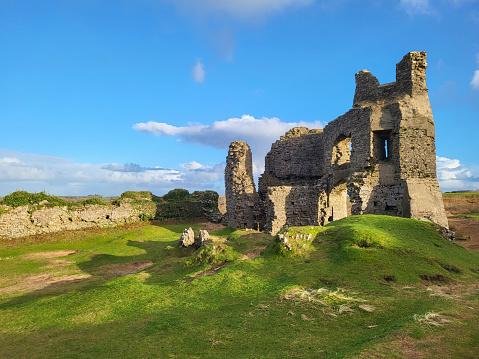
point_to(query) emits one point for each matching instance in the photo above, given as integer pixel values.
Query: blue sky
(101, 96)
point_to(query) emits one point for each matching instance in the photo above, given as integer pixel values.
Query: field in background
(367, 286)
(463, 214)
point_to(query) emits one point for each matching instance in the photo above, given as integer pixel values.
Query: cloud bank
(61, 176)
(258, 132)
(64, 177)
(453, 176)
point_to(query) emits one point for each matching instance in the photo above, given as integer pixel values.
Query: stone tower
(403, 152)
(242, 200)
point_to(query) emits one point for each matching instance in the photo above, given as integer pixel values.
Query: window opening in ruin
(342, 151)
(383, 145)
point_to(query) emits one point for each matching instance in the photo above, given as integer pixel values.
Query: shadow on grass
(162, 261)
(159, 257)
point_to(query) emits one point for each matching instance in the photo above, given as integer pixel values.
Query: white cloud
(416, 7)
(9, 160)
(260, 133)
(198, 72)
(60, 176)
(475, 80)
(193, 165)
(242, 9)
(453, 176)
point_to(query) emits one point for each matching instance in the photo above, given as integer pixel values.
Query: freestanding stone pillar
(242, 200)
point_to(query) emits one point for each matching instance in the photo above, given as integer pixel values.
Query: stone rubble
(201, 238)
(187, 238)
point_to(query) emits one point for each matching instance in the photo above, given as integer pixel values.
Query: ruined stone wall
(26, 221)
(297, 154)
(379, 157)
(354, 125)
(292, 205)
(242, 201)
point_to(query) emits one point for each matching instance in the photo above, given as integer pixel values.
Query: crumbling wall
(292, 205)
(297, 154)
(26, 221)
(379, 157)
(242, 201)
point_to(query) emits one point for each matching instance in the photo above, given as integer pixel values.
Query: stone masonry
(379, 157)
(27, 221)
(243, 209)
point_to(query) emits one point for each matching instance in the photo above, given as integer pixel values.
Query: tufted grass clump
(213, 253)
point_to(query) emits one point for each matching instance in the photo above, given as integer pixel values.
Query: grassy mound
(388, 247)
(365, 286)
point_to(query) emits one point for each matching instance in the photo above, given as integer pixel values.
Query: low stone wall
(27, 221)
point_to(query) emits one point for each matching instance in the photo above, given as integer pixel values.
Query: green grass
(255, 306)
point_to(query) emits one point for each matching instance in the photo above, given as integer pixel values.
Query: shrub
(95, 200)
(145, 217)
(23, 198)
(177, 194)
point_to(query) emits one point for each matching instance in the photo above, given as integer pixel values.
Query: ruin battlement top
(410, 80)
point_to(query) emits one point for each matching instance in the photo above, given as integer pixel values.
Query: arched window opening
(342, 150)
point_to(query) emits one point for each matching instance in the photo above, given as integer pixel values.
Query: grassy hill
(366, 286)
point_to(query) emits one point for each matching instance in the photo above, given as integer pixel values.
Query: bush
(95, 200)
(177, 194)
(23, 198)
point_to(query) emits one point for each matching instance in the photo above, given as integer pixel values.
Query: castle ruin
(379, 157)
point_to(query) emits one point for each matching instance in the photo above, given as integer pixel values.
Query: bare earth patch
(125, 268)
(254, 253)
(467, 232)
(49, 254)
(210, 226)
(40, 281)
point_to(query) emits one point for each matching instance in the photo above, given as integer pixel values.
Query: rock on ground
(187, 237)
